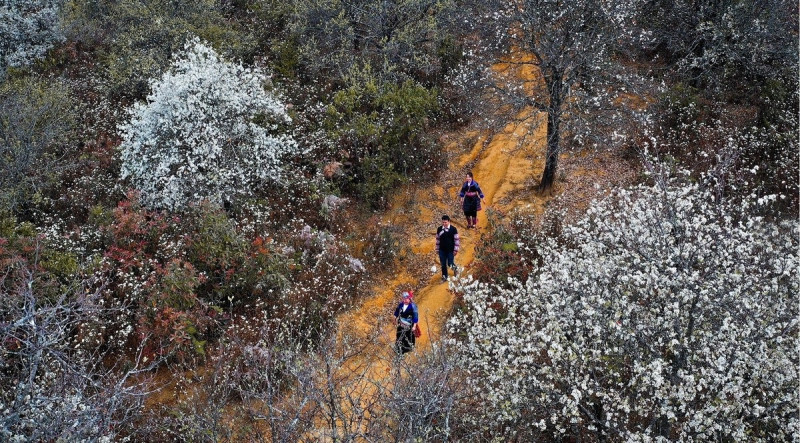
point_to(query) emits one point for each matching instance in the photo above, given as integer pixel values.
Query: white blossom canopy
(28, 29)
(208, 131)
(662, 314)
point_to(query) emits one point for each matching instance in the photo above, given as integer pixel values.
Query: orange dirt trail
(507, 165)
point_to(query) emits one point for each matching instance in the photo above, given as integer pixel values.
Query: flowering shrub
(57, 381)
(208, 131)
(326, 279)
(665, 314)
(187, 277)
(27, 30)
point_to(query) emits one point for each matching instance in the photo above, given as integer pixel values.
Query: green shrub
(288, 59)
(100, 216)
(216, 250)
(178, 285)
(12, 230)
(381, 127)
(62, 265)
(37, 117)
(451, 54)
(380, 178)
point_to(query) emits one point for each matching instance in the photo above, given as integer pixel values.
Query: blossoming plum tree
(663, 313)
(27, 30)
(567, 49)
(208, 131)
(59, 376)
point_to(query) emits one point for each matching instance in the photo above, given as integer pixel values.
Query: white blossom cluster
(28, 28)
(208, 131)
(661, 314)
(44, 411)
(57, 382)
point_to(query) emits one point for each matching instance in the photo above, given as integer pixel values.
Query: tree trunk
(553, 133)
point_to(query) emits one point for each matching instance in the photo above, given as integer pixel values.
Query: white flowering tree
(207, 131)
(661, 314)
(28, 28)
(59, 380)
(568, 48)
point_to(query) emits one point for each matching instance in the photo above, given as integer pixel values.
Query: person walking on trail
(447, 245)
(471, 197)
(406, 316)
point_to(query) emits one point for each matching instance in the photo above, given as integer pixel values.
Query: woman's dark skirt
(471, 206)
(404, 341)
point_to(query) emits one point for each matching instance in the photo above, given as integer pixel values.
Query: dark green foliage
(286, 59)
(37, 117)
(401, 40)
(234, 271)
(216, 250)
(451, 54)
(11, 230)
(381, 128)
(726, 48)
(62, 265)
(266, 22)
(379, 178)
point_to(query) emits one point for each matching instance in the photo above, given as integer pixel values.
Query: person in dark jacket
(406, 316)
(447, 245)
(471, 197)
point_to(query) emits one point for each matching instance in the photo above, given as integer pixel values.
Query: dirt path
(507, 165)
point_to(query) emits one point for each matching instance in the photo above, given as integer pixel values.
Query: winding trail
(507, 165)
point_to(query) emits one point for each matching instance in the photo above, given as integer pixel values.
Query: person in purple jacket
(471, 197)
(406, 316)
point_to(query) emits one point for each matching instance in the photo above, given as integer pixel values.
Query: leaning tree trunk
(553, 133)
